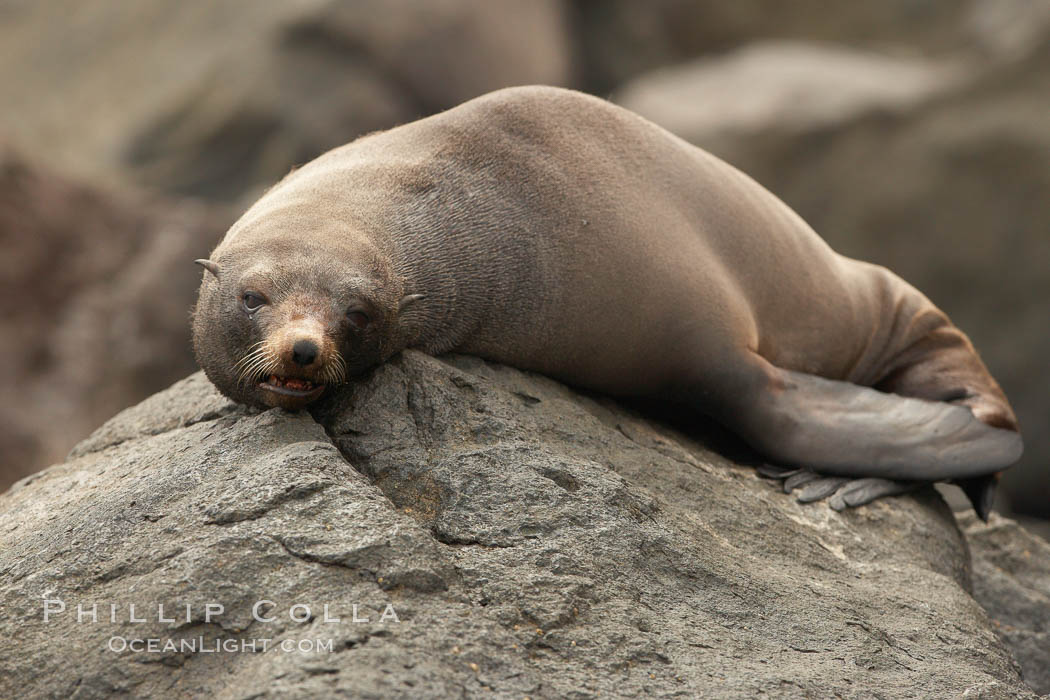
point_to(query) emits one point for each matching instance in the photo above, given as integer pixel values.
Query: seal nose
(304, 352)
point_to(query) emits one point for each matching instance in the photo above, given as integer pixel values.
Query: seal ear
(209, 266)
(408, 300)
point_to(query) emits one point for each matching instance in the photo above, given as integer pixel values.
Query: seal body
(553, 231)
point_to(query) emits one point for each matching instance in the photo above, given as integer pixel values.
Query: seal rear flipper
(841, 492)
(858, 492)
(981, 492)
(843, 429)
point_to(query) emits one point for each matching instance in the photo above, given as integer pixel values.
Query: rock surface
(783, 86)
(621, 39)
(1011, 569)
(531, 541)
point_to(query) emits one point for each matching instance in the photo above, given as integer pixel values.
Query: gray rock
(1012, 581)
(94, 289)
(531, 541)
(221, 99)
(622, 39)
(789, 86)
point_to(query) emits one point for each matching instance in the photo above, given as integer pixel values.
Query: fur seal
(553, 231)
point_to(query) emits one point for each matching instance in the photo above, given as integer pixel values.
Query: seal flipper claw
(981, 492)
(822, 487)
(772, 471)
(799, 480)
(859, 492)
(843, 491)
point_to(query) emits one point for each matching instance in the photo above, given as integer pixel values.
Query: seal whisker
(244, 377)
(336, 369)
(248, 361)
(268, 365)
(258, 363)
(249, 369)
(254, 352)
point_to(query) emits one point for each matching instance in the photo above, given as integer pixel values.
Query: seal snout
(304, 360)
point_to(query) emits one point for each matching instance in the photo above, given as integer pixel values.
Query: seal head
(275, 327)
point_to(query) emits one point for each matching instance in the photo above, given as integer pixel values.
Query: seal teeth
(294, 383)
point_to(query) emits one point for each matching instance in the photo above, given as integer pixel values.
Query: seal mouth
(292, 387)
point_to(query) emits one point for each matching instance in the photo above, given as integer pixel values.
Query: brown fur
(555, 232)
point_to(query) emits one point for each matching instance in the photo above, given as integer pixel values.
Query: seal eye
(357, 318)
(252, 302)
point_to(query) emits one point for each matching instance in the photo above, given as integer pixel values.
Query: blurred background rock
(912, 133)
